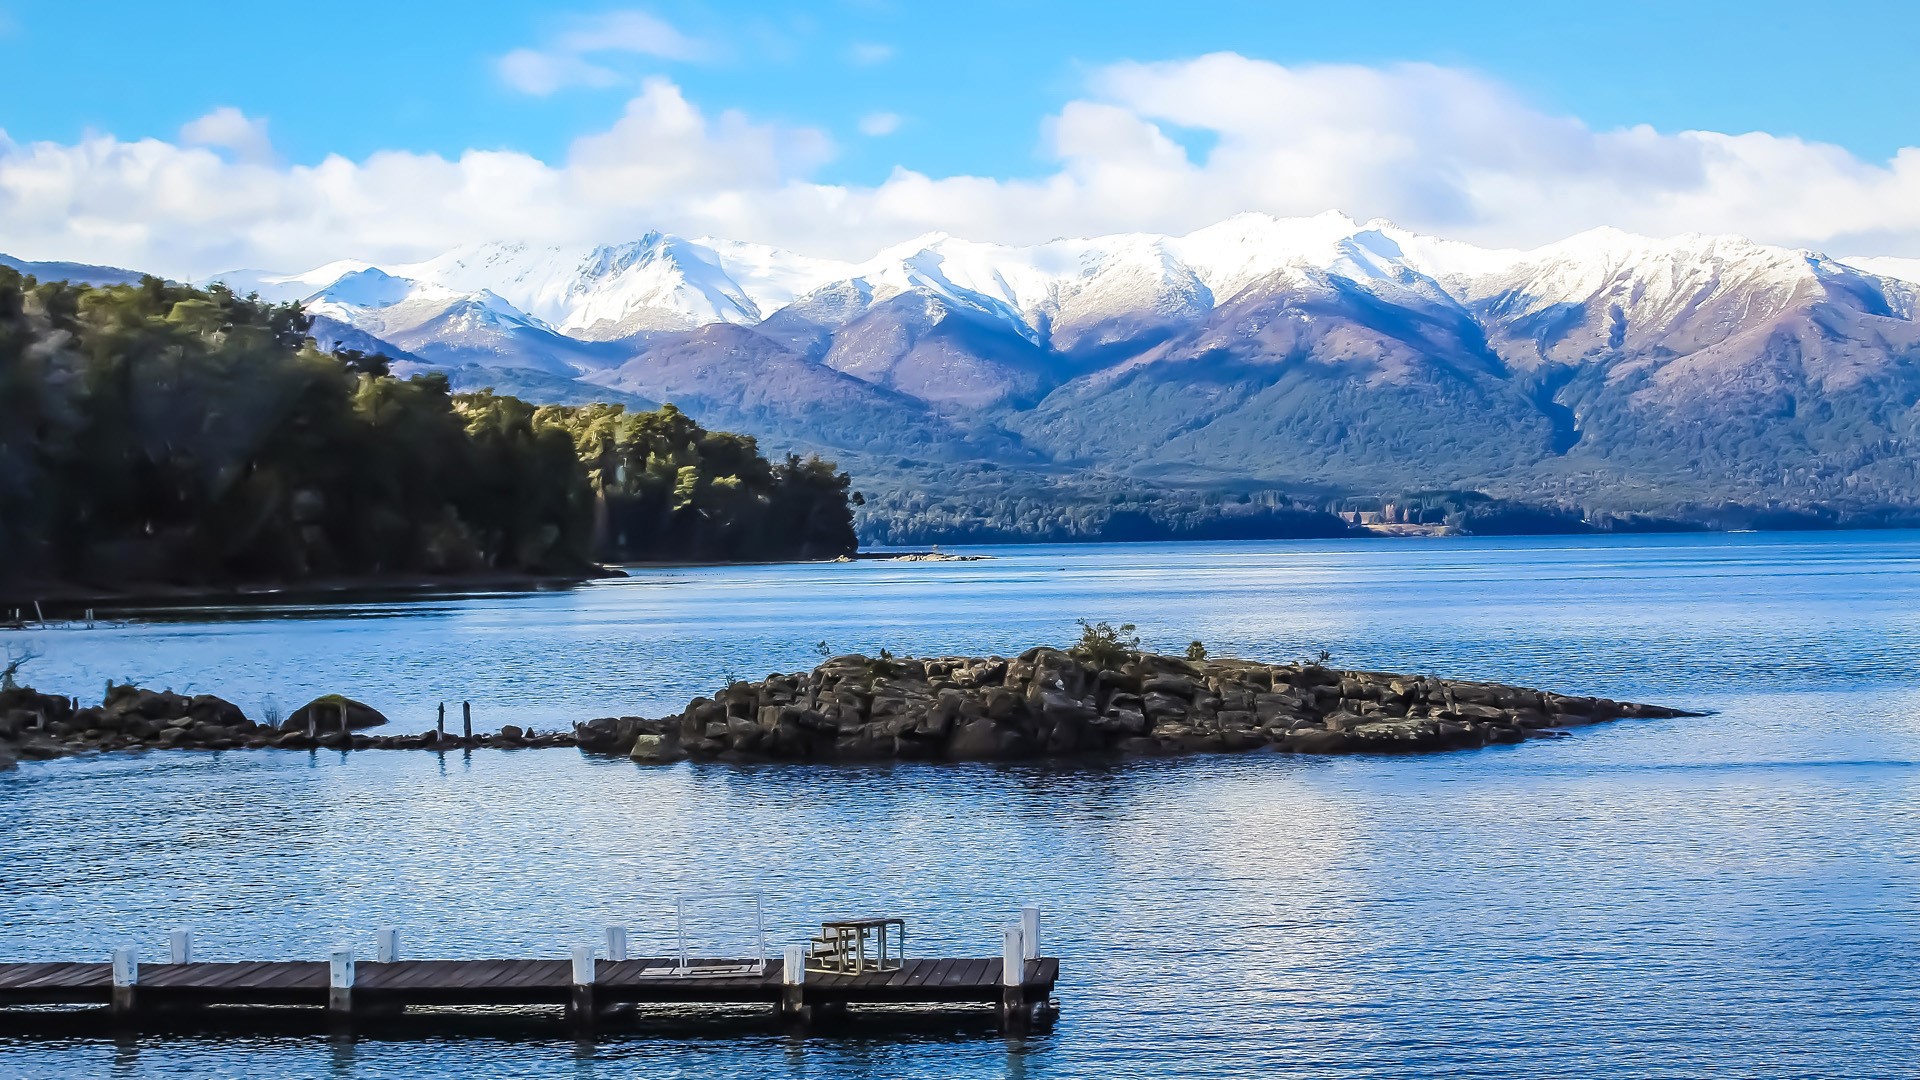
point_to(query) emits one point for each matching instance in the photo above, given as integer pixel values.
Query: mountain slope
(79, 273)
(1607, 369)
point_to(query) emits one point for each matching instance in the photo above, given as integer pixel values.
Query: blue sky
(940, 90)
(971, 82)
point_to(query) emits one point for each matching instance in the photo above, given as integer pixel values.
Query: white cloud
(227, 128)
(566, 60)
(629, 32)
(869, 53)
(879, 123)
(1436, 149)
(531, 71)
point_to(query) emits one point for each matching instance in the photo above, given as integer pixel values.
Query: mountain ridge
(1604, 371)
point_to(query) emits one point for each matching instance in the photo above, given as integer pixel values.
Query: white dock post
(616, 943)
(386, 945)
(126, 976)
(1013, 956)
(1030, 930)
(1013, 978)
(580, 1002)
(760, 927)
(680, 924)
(793, 983)
(180, 947)
(340, 982)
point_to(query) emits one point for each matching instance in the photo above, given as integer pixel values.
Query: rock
(327, 711)
(654, 748)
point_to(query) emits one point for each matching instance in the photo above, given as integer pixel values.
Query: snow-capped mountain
(1065, 294)
(1322, 349)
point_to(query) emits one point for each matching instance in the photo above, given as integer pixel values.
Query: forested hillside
(162, 434)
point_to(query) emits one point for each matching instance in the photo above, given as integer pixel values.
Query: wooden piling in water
(466, 720)
(793, 985)
(125, 976)
(1013, 970)
(340, 984)
(580, 1006)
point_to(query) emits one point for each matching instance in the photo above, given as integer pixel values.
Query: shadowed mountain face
(1616, 371)
(952, 360)
(1307, 377)
(732, 377)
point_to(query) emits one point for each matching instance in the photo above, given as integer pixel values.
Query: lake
(1736, 894)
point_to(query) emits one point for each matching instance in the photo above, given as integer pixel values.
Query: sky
(190, 139)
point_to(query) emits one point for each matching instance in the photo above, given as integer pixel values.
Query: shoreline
(69, 596)
(72, 599)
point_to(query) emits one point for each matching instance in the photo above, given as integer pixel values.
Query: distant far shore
(67, 600)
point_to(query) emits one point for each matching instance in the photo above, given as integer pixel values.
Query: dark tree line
(670, 489)
(158, 433)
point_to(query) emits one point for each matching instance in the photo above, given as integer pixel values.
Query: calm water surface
(1733, 895)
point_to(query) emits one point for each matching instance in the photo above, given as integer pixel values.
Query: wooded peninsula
(164, 435)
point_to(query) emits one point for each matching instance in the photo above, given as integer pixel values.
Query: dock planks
(933, 980)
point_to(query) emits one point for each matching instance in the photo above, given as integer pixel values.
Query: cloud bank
(1433, 148)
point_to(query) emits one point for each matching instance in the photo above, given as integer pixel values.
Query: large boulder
(328, 711)
(23, 708)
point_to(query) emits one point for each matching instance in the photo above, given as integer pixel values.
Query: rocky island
(1052, 703)
(1044, 703)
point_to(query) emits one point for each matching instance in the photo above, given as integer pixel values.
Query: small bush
(1105, 645)
(1196, 651)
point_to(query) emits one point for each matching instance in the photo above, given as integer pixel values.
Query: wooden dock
(126, 997)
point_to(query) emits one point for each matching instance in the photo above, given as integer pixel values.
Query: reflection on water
(1731, 894)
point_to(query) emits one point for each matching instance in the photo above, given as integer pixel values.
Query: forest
(160, 434)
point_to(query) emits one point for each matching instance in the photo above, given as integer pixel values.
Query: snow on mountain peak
(663, 282)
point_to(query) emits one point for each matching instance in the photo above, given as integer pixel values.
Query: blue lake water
(1736, 894)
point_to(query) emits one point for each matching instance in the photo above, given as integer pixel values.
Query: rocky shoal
(1042, 703)
(37, 726)
(1049, 703)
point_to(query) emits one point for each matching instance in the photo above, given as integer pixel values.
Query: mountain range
(1609, 371)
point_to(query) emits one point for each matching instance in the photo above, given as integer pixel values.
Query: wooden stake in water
(580, 1002)
(340, 982)
(180, 946)
(126, 975)
(466, 718)
(793, 983)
